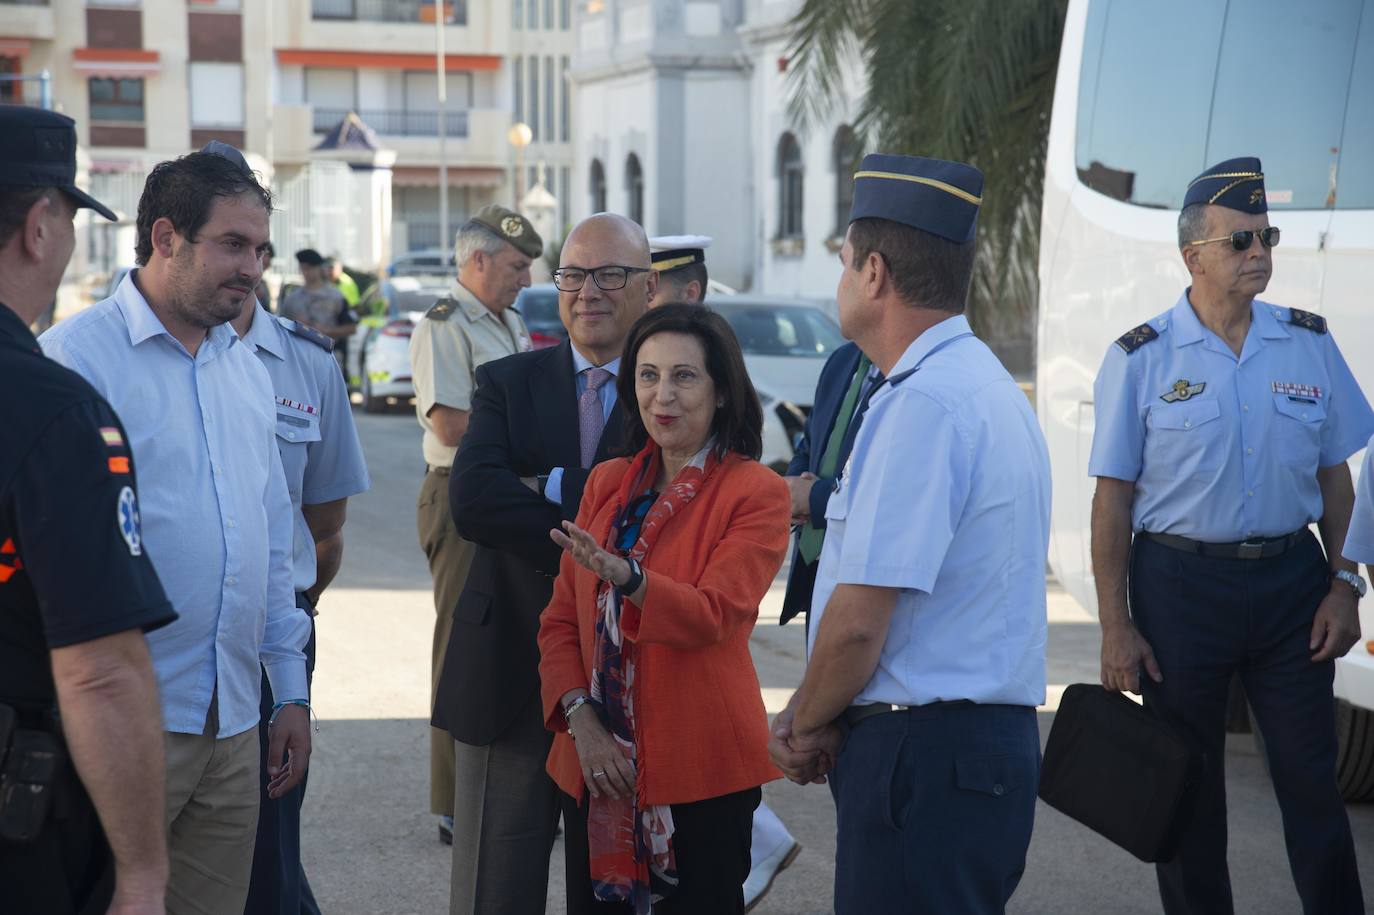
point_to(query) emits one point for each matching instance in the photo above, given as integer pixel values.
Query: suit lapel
(553, 391)
(613, 435)
(828, 408)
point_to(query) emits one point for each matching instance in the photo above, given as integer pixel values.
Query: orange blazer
(701, 728)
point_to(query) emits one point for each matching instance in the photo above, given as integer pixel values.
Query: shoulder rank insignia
(1135, 338)
(441, 310)
(1307, 319)
(1182, 390)
(306, 332)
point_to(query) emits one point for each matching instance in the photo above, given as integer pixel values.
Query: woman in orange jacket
(661, 735)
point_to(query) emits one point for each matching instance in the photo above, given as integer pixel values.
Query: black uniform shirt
(72, 563)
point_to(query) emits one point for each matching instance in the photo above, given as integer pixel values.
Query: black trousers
(711, 846)
(1207, 619)
(278, 885)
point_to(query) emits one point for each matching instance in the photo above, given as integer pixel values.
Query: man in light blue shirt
(198, 409)
(926, 649)
(1223, 428)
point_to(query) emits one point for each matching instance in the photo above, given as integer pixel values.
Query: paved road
(370, 845)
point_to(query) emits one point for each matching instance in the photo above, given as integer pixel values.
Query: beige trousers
(450, 558)
(212, 819)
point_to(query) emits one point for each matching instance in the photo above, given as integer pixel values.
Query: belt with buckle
(1256, 548)
(853, 715)
(443, 471)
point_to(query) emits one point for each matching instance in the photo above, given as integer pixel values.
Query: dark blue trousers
(934, 809)
(1207, 619)
(278, 885)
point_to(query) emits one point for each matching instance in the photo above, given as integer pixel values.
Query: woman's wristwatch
(634, 581)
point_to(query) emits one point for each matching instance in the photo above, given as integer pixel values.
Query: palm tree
(971, 80)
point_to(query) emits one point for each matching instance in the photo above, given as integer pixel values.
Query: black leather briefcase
(1119, 770)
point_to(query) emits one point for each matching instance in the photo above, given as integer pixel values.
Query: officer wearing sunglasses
(1222, 430)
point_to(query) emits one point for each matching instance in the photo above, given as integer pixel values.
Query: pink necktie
(590, 418)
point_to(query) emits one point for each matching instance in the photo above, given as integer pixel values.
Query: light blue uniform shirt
(1359, 539)
(946, 496)
(318, 442)
(553, 489)
(215, 509)
(1225, 448)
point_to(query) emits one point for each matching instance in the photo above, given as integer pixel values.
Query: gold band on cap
(1242, 175)
(930, 182)
(1217, 196)
(674, 263)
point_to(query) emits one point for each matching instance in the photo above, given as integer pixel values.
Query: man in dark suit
(811, 474)
(540, 420)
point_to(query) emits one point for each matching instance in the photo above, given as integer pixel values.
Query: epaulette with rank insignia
(441, 310)
(1307, 319)
(306, 332)
(1137, 337)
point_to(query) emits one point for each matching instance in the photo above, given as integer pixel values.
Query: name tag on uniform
(1303, 391)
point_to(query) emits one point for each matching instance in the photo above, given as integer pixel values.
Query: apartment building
(148, 80)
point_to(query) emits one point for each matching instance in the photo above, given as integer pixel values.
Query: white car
(785, 343)
(383, 345)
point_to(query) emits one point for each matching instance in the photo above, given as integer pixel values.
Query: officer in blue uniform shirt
(926, 654)
(324, 465)
(1223, 427)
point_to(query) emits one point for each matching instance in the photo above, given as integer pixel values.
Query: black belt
(1255, 548)
(439, 470)
(857, 713)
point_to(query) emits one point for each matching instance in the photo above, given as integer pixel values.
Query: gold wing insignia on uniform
(1307, 319)
(440, 310)
(1136, 337)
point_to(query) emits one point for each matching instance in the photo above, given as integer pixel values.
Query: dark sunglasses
(1241, 241)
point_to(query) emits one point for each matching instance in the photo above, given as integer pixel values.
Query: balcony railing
(455, 11)
(397, 123)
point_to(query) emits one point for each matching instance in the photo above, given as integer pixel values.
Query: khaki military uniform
(455, 336)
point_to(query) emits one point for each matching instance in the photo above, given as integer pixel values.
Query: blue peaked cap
(933, 195)
(1237, 184)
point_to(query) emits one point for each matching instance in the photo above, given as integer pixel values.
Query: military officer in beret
(926, 645)
(475, 324)
(1223, 428)
(680, 262)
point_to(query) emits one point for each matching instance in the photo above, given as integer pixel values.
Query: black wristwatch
(634, 581)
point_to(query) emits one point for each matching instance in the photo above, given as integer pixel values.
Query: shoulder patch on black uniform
(1137, 337)
(441, 310)
(305, 332)
(1307, 319)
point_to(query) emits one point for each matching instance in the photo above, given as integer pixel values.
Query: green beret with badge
(512, 227)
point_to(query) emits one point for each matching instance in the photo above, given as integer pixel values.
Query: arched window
(634, 188)
(847, 156)
(791, 175)
(597, 186)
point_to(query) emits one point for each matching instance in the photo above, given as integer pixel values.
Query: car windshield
(781, 330)
(539, 307)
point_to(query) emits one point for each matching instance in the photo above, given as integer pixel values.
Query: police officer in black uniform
(80, 724)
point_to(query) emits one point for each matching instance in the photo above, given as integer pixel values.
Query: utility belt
(1254, 548)
(33, 770)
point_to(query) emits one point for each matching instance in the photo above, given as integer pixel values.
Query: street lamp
(519, 136)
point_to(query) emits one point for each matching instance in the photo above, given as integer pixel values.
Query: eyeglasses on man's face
(608, 278)
(1242, 240)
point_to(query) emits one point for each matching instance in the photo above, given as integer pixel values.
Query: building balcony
(455, 12)
(27, 19)
(476, 137)
(397, 123)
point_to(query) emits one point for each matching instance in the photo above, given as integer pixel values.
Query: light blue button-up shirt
(553, 489)
(946, 496)
(215, 508)
(1359, 539)
(318, 442)
(1224, 447)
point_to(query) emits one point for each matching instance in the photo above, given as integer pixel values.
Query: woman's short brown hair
(738, 423)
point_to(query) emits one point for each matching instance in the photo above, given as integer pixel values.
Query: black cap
(225, 151)
(310, 257)
(38, 149)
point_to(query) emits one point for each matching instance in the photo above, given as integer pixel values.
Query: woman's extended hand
(605, 767)
(589, 554)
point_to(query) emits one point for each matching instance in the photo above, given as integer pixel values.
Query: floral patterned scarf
(630, 847)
